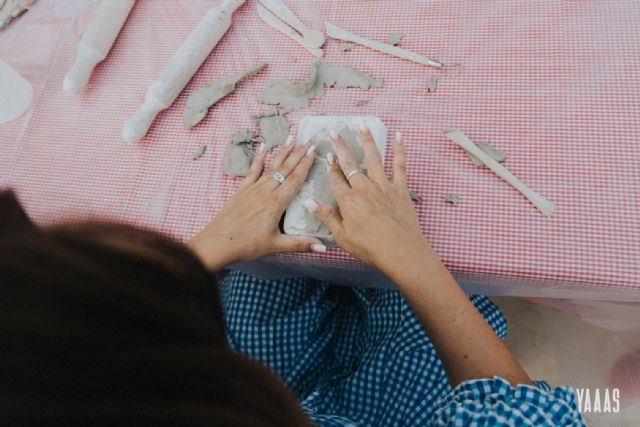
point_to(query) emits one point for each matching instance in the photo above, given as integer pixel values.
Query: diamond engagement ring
(277, 177)
(352, 173)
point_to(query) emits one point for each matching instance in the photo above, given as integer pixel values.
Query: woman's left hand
(247, 227)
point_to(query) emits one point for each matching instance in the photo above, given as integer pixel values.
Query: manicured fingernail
(311, 150)
(289, 140)
(331, 159)
(333, 134)
(363, 128)
(310, 205)
(398, 137)
(317, 247)
(261, 147)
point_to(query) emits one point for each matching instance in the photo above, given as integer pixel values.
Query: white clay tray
(298, 220)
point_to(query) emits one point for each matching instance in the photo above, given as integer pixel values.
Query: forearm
(467, 345)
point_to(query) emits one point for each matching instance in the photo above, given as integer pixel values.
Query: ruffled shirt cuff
(494, 402)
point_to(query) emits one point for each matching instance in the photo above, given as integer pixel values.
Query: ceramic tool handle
(313, 39)
(96, 42)
(181, 68)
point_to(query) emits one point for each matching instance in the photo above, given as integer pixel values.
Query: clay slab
(298, 220)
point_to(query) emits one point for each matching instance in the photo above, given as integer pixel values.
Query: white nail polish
(289, 140)
(330, 159)
(398, 137)
(363, 128)
(261, 147)
(333, 134)
(317, 247)
(311, 150)
(310, 205)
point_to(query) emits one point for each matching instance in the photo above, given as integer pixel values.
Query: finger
(399, 162)
(337, 181)
(287, 243)
(294, 181)
(283, 153)
(372, 156)
(294, 158)
(327, 214)
(347, 163)
(257, 166)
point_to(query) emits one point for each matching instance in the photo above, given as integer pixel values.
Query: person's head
(106, 324)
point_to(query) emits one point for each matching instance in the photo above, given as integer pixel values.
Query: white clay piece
(203, 99)
(181, 68)
(96, 42)
(338, 33)
(293, 96)
(545, 206)
(298, 220)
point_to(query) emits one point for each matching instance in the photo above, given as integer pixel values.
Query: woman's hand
(377, 222)
(247, 227)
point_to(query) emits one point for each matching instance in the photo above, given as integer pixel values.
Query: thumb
(288, 243)
(327, 214)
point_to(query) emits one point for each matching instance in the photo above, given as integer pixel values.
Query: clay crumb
(432, 84)
(415, 196)
(394, 39)
(196, 155)
(346, 47)
(497, 155)
(362, 102)
(452, 199)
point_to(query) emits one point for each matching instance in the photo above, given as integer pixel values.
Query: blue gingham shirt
(360, 357)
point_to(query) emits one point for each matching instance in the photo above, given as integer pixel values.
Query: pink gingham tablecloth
(556, 84)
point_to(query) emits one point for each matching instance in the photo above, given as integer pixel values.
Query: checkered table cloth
(553, 83)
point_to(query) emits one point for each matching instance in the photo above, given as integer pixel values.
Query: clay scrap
(239, 155)
(199, 153)
(395, 38)
(274, 130)
(417, 198)
(346, 47)
(206, 97)
(545, 206)
(432, 84)
(452, 199)
(323, 75)
(497, 155)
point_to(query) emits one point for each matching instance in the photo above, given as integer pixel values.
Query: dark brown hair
(105, 324)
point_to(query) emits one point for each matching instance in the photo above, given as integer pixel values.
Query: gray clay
(274, 130)
(362, 102)
(432, 84)
(415, 196)
(452, 199)
(394, 39)
(239, 155)
(199, 153)
(497, 155)
(293, 96)
(350, 138)
(206, 97)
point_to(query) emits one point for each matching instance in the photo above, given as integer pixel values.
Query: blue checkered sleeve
(494, 402)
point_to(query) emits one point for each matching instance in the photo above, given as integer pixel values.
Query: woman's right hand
(377, 222)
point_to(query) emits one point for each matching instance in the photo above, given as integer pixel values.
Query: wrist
(215, 251)
(415, 262)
